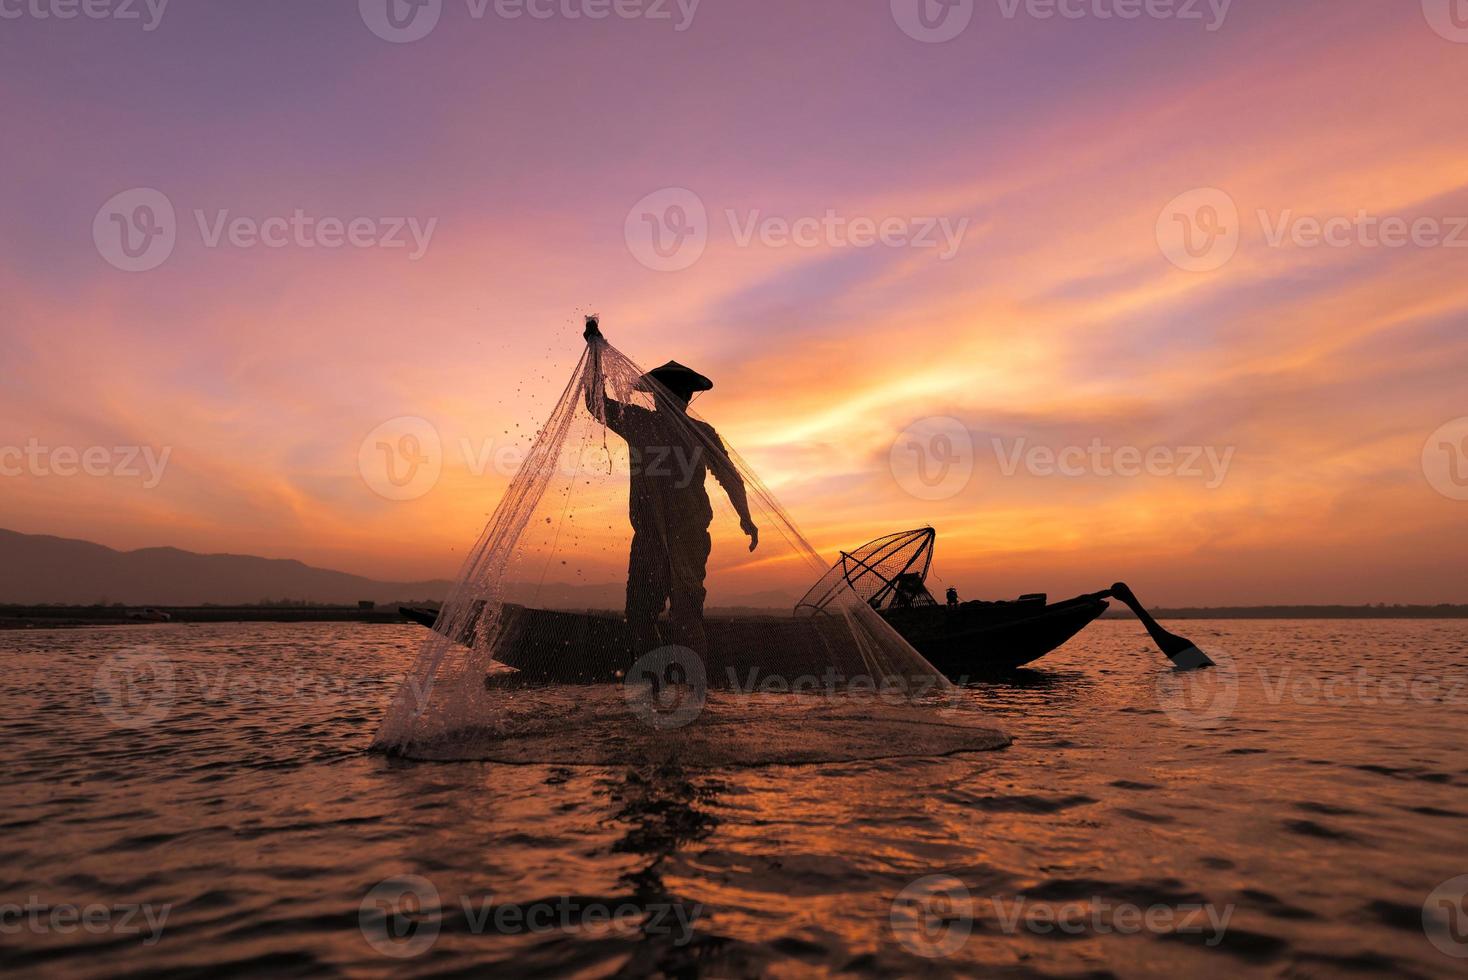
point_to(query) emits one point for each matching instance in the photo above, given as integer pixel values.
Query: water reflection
(1027, 689)
(663, 809)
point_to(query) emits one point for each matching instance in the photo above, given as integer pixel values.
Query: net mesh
(890, 572)
(619, 595)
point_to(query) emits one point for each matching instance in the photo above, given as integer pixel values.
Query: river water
(1302, 811)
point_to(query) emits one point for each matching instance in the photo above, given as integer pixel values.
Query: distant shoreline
(1302, 612)
(62, 617)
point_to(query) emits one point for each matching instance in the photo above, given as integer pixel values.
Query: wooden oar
(1183, 653)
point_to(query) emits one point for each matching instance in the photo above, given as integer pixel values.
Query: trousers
(666, 568)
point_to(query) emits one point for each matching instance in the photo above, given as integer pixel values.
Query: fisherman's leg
(647, 588)
(689, 554)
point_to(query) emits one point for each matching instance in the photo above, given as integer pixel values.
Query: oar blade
(1191, 659)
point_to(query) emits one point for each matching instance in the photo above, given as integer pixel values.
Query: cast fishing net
(633, 597)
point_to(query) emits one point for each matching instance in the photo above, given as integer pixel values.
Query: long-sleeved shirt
(670, 459)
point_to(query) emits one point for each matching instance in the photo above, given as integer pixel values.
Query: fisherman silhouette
(671, 455)
(952, 598)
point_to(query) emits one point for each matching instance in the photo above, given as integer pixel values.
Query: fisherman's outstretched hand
(747, 526)
(593, 329)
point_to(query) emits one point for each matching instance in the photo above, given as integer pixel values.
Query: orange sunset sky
(1066, 148)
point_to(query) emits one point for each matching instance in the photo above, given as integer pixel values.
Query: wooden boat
(970, 641)
(964, 641)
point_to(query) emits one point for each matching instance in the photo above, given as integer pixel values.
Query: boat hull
(974, 640)
(979, 639)
(546, 645)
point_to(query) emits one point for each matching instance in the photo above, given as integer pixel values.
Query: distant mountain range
(38, 568)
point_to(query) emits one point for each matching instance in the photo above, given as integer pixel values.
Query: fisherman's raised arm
(607, 411)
